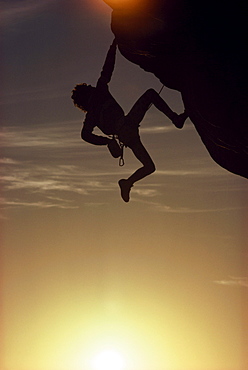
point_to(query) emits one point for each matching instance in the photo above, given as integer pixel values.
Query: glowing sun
(108, 360)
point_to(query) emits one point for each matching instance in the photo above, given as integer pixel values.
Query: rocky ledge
(200, 49)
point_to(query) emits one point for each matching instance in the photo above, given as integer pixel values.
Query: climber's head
(81, 95)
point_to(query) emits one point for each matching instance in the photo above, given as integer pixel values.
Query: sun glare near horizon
(108, 360)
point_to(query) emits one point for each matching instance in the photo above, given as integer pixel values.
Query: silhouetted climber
(105, 113)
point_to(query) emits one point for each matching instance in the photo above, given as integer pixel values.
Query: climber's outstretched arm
(109, 64)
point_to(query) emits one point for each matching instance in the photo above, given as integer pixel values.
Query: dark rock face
(200, 49)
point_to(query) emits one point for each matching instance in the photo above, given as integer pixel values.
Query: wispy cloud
(164, 208)
(34, 93)
(40, 204)
(47, 185)
(162, 129)
(58, 135)
(13, 10)
(234, 281)
(8, 161)
(160, 207)
(46, 178)
(188, 172)
(149, 193)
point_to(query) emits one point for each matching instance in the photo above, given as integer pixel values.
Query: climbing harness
(116, 149)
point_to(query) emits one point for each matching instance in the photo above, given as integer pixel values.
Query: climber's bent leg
(138, 111)
(140, 108)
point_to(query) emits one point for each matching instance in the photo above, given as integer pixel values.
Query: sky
(161, 280)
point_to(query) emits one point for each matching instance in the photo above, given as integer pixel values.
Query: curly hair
(81, 95)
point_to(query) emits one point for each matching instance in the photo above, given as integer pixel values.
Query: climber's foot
(125, 189)
(179, 119)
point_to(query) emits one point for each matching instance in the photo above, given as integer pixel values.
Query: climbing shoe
(125, 189)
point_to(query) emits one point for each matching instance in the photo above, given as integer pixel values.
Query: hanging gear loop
(121, 159)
